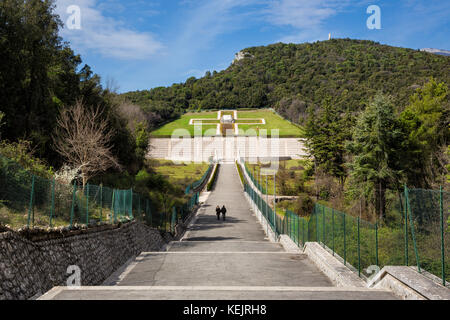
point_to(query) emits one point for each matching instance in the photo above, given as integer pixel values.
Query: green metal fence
(429, 229)
(275, 221)
(352, 239)
(295, 227)
(253, 179)
(29, 200)
(186, 209)
(420, 239)
(193, 186)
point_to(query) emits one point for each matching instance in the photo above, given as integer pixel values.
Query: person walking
(224, 211)
(218, 210)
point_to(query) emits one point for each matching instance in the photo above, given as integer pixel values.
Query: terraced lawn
(183, 123)
(273, 121)
(289, 172)
(180, 174)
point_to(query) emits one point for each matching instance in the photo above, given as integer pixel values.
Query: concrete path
(218, 259)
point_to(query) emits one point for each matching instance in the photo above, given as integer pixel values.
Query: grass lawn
(290, 171)
(17, 220)
(180, 174)
(183, 123)
(273, 121)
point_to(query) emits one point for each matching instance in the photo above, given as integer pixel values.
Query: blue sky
(145, 44)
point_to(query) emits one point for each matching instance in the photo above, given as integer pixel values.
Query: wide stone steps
(215, 293)
(227, 259)
(225, 147)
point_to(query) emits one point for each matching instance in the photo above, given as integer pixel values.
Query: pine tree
(326, 135)
(376, 147)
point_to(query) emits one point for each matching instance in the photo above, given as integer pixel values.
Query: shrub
(304, 205)
(213, 179)
(241, 176)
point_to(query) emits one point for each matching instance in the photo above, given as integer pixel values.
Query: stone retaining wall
(29, 268)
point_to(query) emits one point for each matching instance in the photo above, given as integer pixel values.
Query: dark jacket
(224, 210)
(218, 210)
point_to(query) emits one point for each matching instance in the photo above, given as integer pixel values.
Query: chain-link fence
(420, 238)
(429, 227)
(29, 200)
(196, 184)
(295, 227)
(255, 181)
(275, 222)
(353, 240)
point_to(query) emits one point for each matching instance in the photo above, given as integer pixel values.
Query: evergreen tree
(426, 123)
(326, 135)
(376, 147)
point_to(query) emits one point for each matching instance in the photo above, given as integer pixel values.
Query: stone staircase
(222, 260)
(225, 148)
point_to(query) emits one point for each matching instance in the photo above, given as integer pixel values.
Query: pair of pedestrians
(219, 211)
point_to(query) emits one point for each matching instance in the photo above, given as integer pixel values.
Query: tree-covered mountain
(375, 116)
(291, 77)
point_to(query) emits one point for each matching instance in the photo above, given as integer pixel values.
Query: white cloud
(104, 35)
(212, 18)
(306, 17)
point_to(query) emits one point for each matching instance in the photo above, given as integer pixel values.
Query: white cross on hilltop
(228, 119)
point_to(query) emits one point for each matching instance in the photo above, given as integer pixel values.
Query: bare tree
(83, 138)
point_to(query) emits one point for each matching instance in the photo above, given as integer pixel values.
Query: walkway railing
(253, 179)
(193, 186)
(421, 238)
(275, 222)
(354, 240)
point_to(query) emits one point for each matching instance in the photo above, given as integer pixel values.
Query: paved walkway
(218, 259)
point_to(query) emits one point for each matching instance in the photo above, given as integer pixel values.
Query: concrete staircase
(222, 260)
(225, 148)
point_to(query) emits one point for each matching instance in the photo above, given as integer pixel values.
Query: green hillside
(291, 77)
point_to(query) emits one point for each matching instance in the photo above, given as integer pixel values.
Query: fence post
(405, 218)
(72, 210)
(298, 230)
(317, 225)
(30, 208)
(101, 201)
(359, 250)
(441, 209)
(286, 224)
(173, 219)
(332, 228)
(53, 202)
(113, 206)
(412, 230)
(345, 243)
(131, 203)
(303, 231)
(290, 218)
(275, 202)
(87, 204)
(376, 243)
(323, 226)
(147, 213)
(139, 206)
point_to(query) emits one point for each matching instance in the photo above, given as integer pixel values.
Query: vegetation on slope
(292, 77)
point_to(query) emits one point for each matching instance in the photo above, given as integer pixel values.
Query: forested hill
(290, 77)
